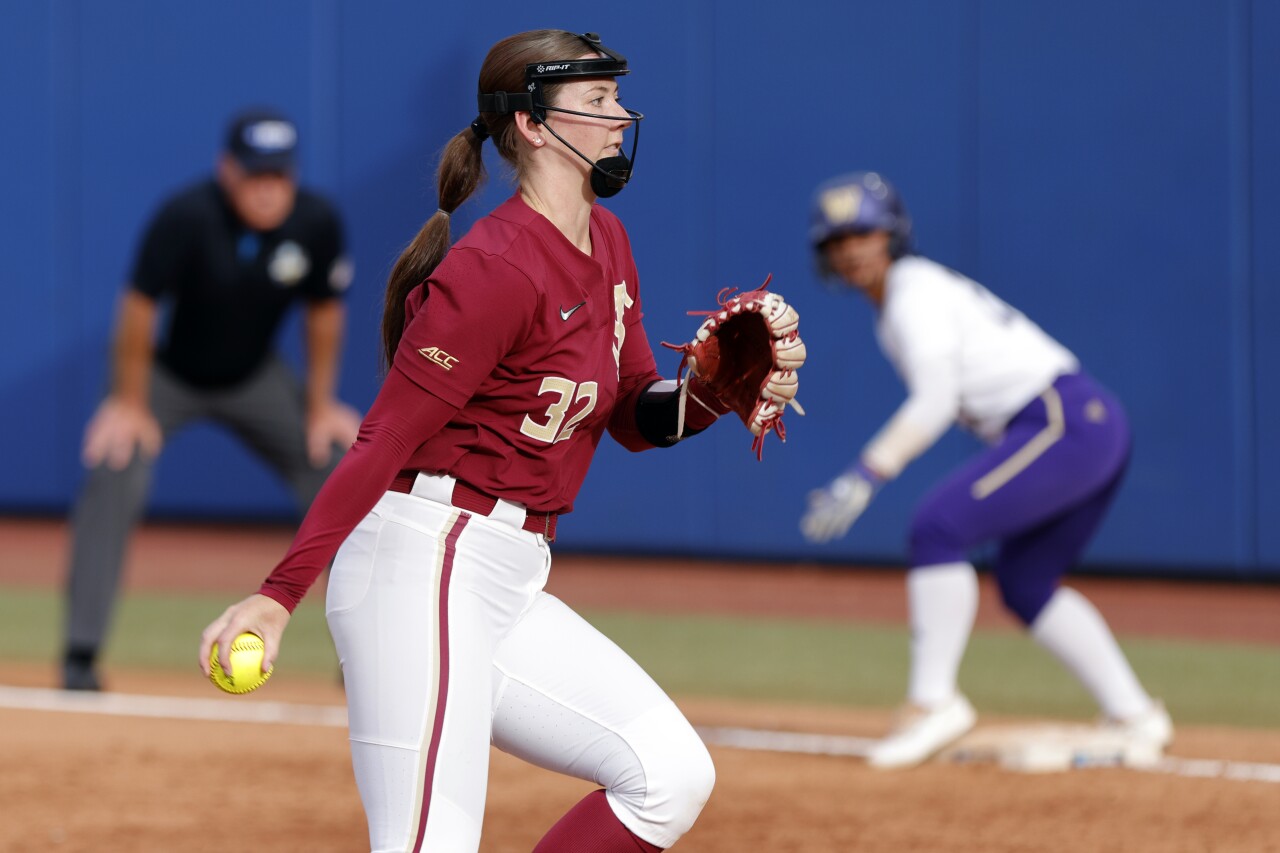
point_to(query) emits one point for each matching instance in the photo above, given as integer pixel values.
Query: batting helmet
(857, 203)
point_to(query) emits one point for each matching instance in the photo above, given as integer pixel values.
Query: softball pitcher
(509, 355)
(1058, 448)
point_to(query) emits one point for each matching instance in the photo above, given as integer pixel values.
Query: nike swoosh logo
(565, 315)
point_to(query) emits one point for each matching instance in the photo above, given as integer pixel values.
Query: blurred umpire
(221, 262)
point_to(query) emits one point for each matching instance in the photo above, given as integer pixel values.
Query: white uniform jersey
(965, 355)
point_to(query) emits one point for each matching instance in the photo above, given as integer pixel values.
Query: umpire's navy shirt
(226, 286)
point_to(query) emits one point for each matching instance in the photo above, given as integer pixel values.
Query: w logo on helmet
(858, 203)
(840, 205)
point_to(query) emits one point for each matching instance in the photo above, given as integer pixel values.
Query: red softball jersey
(534, 342)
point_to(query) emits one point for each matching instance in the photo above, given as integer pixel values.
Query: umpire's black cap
(262, 139)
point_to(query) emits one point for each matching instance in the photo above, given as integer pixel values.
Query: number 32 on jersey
(554, 427)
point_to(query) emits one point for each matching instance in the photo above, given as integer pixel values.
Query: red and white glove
(747, 354)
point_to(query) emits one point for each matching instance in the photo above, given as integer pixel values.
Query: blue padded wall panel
(1117, 183)
(1263, 183)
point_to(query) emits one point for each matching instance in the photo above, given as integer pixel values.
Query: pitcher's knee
(688, 786)
(661, 803)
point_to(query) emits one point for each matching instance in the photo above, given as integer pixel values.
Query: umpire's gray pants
(267, 412)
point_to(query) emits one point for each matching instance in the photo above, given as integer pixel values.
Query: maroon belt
(472, 499)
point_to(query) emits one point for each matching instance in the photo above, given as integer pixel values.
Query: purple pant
(1041, 492)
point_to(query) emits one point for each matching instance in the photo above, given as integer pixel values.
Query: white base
(1053, 748)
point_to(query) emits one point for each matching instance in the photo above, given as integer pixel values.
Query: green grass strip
(156, 631)
(787, 660)
(866, 665)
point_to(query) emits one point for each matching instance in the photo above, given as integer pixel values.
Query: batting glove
(834, 508)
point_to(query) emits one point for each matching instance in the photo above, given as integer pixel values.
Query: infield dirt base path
(76, 781)
(80, 782)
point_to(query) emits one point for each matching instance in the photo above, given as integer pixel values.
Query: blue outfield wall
(1118, 183)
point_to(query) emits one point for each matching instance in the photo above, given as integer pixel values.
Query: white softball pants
(448, 643)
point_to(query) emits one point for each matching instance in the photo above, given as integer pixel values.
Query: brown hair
(461, 169)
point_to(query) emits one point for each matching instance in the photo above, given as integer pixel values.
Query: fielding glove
(747, 354)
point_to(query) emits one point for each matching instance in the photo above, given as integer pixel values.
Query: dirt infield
(78, 781)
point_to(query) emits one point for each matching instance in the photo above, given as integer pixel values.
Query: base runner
(1058, 446)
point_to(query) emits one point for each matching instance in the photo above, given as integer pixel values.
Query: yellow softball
(246, 665)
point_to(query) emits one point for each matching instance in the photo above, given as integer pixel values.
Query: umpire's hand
(330, 424)
(116, 429)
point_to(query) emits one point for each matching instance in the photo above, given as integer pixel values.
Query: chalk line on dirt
(235, 710)
(231, 709)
